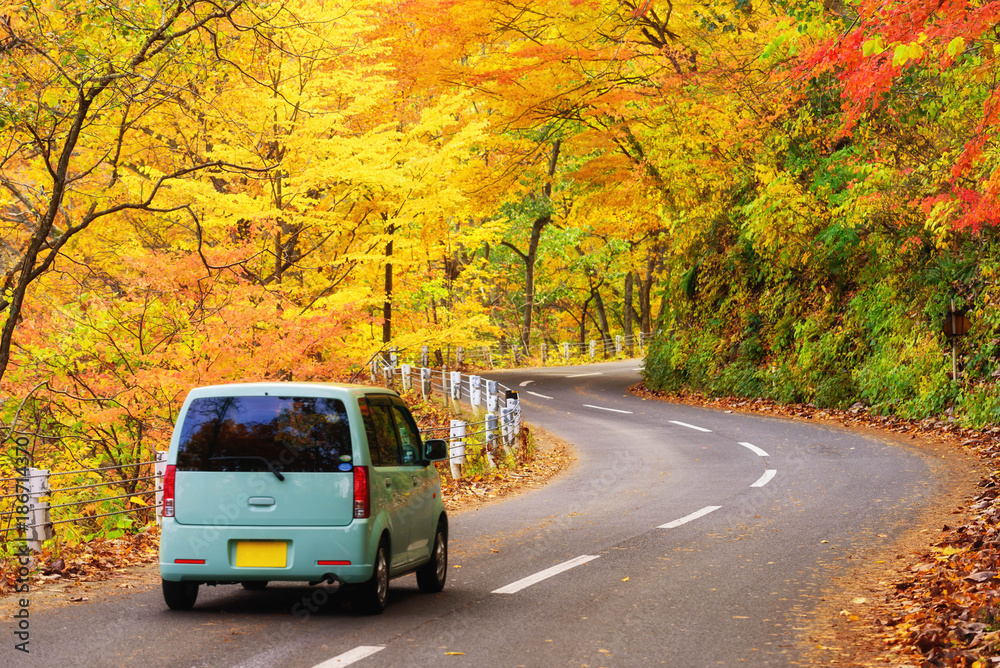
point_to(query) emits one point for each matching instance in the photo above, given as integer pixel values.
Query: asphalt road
(683, 537)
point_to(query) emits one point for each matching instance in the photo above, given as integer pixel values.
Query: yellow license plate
(261, 554)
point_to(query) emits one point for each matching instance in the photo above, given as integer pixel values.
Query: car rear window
(290, 434)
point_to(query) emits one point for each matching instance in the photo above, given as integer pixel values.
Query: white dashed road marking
(581, 375)
(691, 426)
(754, 449)
(602, 408)
(515, 587)
(527, 383)
(688, 518)
(353, 656)
(764, 479)
(536, 394)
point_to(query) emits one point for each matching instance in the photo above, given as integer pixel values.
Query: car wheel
(254, 585)
(180, 595)
(431, 576)
(371, 596)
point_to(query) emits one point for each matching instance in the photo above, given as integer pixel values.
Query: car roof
(286, 389)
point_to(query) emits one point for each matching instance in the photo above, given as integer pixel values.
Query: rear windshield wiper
(269, 465)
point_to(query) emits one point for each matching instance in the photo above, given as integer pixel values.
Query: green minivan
(309, 482)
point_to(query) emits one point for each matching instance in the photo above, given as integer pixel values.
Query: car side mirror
(435, 449)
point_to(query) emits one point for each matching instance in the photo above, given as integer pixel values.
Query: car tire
(370, 597)
(180, 595)
(431, 576)
(254, 585)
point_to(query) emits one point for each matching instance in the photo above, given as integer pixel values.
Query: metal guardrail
(505, 354)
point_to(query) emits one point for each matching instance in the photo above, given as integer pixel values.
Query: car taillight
(168, 491)
(362, 495)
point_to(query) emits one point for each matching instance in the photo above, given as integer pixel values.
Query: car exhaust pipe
(327, 578)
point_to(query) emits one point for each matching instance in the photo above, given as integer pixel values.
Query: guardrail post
(459, 355)
(593, 348)
(492, 401)
(457, 449)
(491, 432)
(424, 355)
(544, 352)
(159, 469)
(566, 352)
(488, 356)
(456, 386)
(426, 386)
(404, 372)
(39, 521)
(618, 344)
(374, 369)
(641, 353)
(476, 393)
(509, 418)
(515, 350)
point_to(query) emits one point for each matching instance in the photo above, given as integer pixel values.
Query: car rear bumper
(200, 553)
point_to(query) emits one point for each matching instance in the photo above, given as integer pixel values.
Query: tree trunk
(602, 316)
(628, 313)
(529, 279)
(387, 299)
(532, 254)
(583, 321)
(646, 299)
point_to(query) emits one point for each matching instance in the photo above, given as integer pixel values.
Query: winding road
(682, 537)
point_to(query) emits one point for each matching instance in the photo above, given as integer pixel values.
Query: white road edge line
(536, 394)
(526, 383)
(602, 408)
(352, 656)
(754, 449)
(688, 518)
(581, 375)
(691, 426)
(523, 583)
(764, 479)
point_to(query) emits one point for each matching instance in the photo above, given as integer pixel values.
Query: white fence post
(492, 402)
(506, 428)
(476, 393)
(491, 432)
(593, 348)
(424, 355)
(404, 372)
(456, 386)
(457, 449)
(459, 355)
(39, 522)
(544, 352)
(641, 353)
(426, 386)
(159, 470)
(566, 352)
